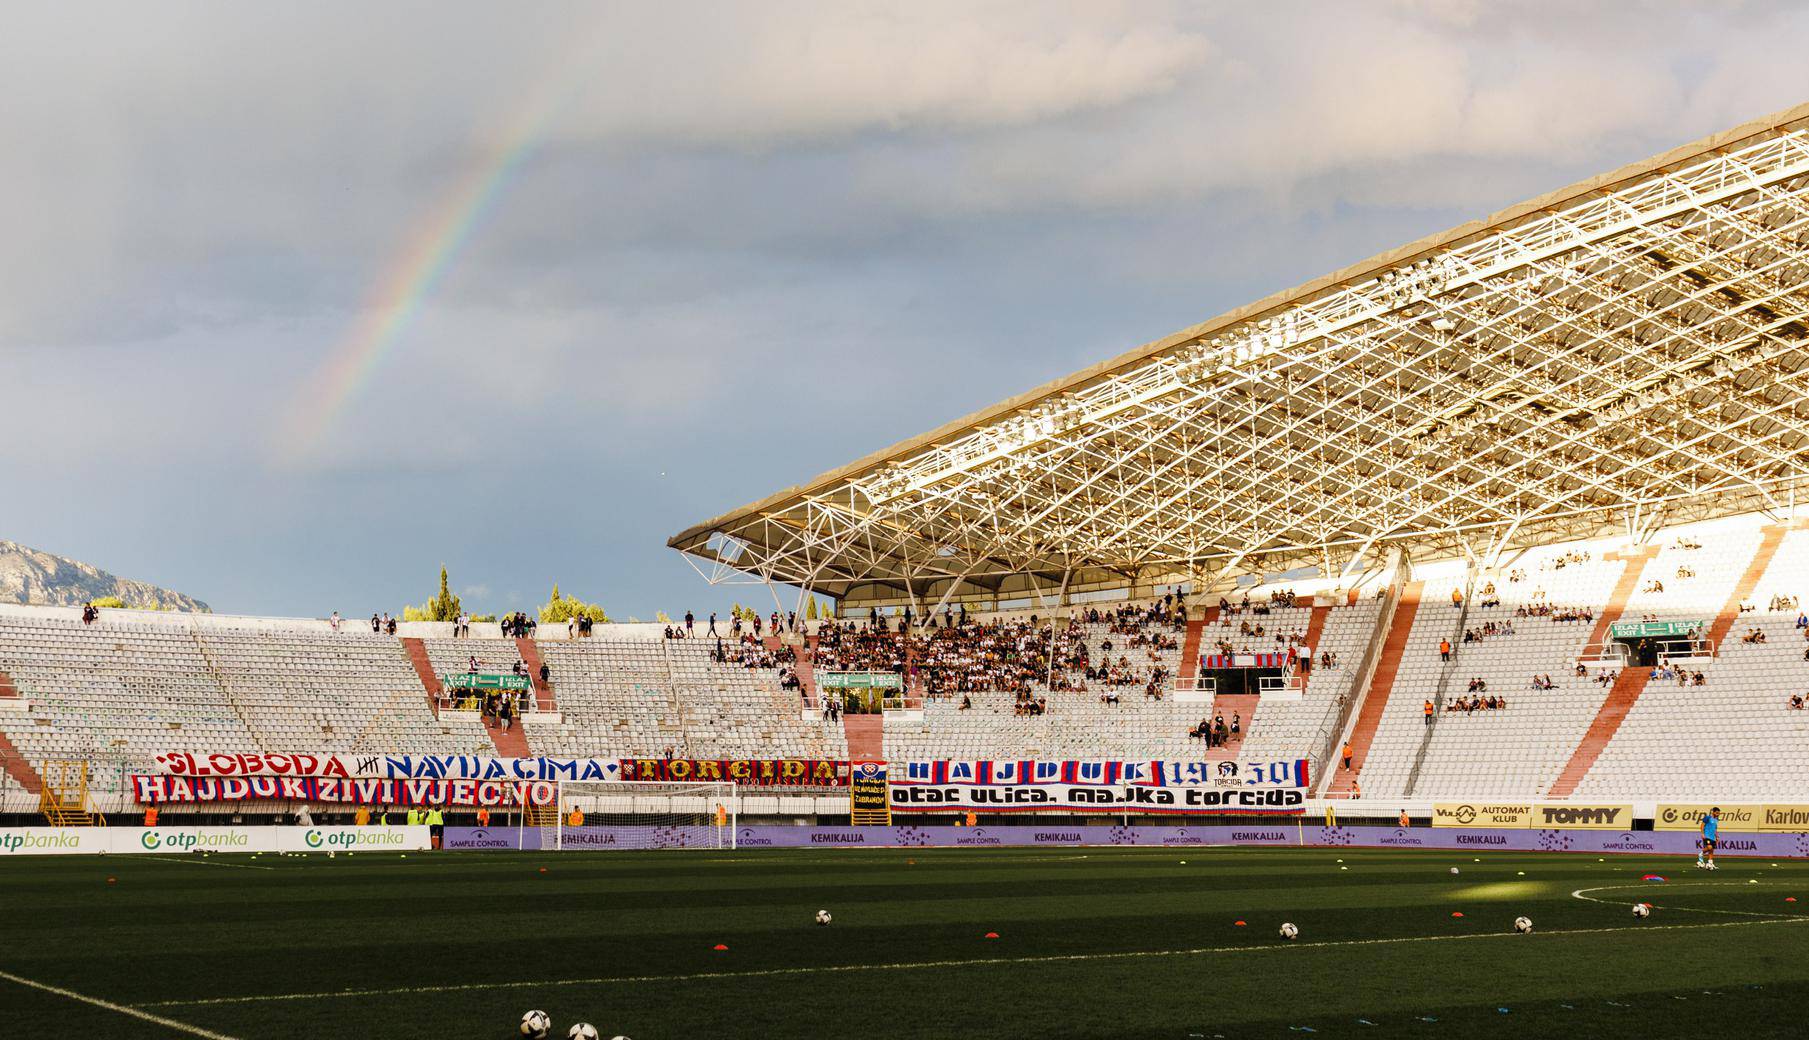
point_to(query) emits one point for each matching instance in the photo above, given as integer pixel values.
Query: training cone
(543, 870)
(1238, 924)
(115, 881)
(1457, 913)
(719, 946)
(1789, 899)
(992, 935)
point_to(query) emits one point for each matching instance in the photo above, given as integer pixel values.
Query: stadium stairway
(14, 763)
(804, 669)
(1315, 629)
(543, 691)
(7, 690)
(1369, 714)
(1632, 681)
(1190, 647)
(1623, 589)
(417, 656)
(866, 737)
(1229, 704)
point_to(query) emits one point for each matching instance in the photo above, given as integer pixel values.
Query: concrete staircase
(1190, 648)
(866, 737)
(7, 690)
(543, 691)
(1315, 629)
(1623, 589)
(1369, 716)
(1632, 680)
(417, 656)
(14, 763)
(1229, 704)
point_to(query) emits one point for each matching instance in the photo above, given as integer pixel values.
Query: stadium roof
(1625, 351)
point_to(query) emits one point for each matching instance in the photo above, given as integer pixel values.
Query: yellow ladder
(64, 797)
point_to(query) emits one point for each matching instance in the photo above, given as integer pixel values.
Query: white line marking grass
(837, 969)
(1660, 886)
(204, 862)
(118, 1009)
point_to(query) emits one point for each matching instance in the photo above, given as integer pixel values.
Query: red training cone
(992, 935)
(1457, 913)
(1239, 924)
(719, 946)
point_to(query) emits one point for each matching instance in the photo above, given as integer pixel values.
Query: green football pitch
(1090, 943)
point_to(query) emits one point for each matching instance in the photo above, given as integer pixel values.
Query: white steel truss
(1629, 347)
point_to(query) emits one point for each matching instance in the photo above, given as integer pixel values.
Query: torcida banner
(172, 790)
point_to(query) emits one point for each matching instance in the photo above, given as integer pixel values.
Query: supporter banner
(1280, 773)
(1784, 818)
(391, 767)
(755, 772)
(1592, 817)
(867, 799)
(1113, 798)
(1481, 814)
(164, 789)
(1689, 817)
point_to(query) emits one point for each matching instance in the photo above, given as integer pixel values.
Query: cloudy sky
(299, 302)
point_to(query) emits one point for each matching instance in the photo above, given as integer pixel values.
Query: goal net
(633, 814)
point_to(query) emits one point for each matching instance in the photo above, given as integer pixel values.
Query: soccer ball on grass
(582, 1031)
(1289, 931)
(536, 1025)
(1523, 925)
(823, 917)
(1642, 910)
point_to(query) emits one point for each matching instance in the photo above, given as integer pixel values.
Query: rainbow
(400, 293)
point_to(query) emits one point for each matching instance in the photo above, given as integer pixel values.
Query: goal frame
(706, 818)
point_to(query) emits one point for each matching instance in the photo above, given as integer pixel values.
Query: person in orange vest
(1444, 649)
(1457, 598)
(483, 816)
(1356, 789)
(722, 815)
(363, 816)
(1347, 755)
(1428, 710)
(150, 816)
(575, 818)
(973, 819)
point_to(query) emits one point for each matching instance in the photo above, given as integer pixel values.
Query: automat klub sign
(1585, 817)
(754, 772)
(1481, 814)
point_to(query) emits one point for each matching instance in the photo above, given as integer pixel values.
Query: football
(535, 1024)
(1289, 931)
(1642, 910)
(1453, 870)
(823, 917)
(1523, 925)
(582, 1031)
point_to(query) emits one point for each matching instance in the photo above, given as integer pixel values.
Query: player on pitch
(1711, 825)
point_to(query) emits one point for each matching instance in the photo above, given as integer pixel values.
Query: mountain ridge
(33, 576)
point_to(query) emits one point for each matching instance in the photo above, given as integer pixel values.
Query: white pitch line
(835, 969)
(1578, 894)
(205, 863)
(121, 1009)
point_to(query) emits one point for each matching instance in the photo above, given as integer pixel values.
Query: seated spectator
(1796, 702)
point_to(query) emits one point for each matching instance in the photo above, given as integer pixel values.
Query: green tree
(810, 611)
(560, 608)
(110, 603)
(444, 607)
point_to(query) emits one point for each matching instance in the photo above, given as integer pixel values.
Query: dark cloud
(743, 243)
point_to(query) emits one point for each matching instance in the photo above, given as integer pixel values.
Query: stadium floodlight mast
(1631, 349)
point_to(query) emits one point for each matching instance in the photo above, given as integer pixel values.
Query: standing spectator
(1347, 754)
(1427, 709)
(713, 625)
(690, 624)
(334, 621)
(1444, 649)
(376, 625)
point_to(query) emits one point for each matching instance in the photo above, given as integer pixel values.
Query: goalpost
(642, 814)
